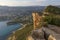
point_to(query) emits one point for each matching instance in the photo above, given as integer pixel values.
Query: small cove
(6, 30)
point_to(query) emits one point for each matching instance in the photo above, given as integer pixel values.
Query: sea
(6, 30)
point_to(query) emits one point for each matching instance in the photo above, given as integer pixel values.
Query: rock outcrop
(37, 19)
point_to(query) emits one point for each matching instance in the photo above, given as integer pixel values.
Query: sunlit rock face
(29, 38)
(37, 19)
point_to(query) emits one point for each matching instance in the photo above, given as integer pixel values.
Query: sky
(29, 2)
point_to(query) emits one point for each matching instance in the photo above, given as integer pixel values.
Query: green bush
(54, 20)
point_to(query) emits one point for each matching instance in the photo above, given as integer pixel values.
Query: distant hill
(52, 9)
(6, 10)
(58, 6)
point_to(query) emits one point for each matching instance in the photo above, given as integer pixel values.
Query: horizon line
(27, 6)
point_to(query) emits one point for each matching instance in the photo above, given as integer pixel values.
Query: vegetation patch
(53, 16)
(23, 33)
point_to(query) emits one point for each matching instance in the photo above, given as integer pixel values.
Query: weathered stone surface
(38, 34)
(37, 19)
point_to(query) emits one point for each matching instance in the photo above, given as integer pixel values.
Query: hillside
(52, 9)
(53, 16)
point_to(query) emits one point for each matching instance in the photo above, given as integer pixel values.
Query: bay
(6, 30)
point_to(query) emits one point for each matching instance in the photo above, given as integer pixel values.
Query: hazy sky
(29, 2)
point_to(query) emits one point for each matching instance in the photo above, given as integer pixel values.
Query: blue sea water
(6, 30)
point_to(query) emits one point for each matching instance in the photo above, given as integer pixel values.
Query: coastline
(13, 37)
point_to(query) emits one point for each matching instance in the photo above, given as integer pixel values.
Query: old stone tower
(37, 19)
